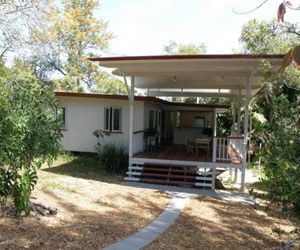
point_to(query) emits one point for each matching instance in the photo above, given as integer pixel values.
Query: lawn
(94, 209)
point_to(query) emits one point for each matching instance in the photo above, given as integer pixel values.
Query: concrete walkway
(180, 196)
(156, 228)
(219, 194)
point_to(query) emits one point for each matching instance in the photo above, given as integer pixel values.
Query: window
(61, 116)
(112, 119)
(154, 119)
(199, 122)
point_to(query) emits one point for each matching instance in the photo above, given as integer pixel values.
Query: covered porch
(233, 76)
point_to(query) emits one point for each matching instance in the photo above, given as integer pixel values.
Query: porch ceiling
(192, 75)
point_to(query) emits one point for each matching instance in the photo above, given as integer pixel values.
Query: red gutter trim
(136, 98)
(170, 57)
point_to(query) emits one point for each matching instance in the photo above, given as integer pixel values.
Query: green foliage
(281, 153)
(29, 132)
(276, 107)
(266, 37)
(69, 34)
(6, 182)
(113, 158)
(224, 123)
(22, 190)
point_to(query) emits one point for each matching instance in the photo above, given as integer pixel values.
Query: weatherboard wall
(85, 115)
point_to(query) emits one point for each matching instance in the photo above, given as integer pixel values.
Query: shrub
(113, 158)
(29, 134)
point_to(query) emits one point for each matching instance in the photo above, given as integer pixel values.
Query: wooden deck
(174, 152)
(179, 152)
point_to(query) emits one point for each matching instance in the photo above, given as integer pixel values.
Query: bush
(280, 154)
(29, 134)
(113, 158)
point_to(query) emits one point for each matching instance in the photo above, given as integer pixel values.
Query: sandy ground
(91, 214)
(209, 223)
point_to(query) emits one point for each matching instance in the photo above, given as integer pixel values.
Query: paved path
(180, 196)
(219, 194)
(156, 228)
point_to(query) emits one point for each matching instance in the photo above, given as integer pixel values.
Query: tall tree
(16, 18)
(70, 35)
(266, 37)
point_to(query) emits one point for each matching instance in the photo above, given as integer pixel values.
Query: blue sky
(143, 27)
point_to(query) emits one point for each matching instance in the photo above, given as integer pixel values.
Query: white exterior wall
(85, 115)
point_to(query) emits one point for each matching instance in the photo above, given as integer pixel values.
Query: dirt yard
(96, 210)
(91, 213)
(209, 223)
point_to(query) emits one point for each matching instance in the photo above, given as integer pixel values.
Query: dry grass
(91, 213)
(208, 223)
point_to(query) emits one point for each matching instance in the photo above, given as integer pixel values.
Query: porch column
(246, 120)
(239, 113)
(238, 128)
(214, 136)
(234, 107)
(131, 102)
(233, 128)
(130, 92)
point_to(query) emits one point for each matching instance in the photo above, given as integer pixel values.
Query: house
(171, 143)
(175, 123)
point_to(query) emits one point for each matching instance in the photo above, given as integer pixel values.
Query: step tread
(170, 170)
(167, 181)
(169, 176)
(147, 164)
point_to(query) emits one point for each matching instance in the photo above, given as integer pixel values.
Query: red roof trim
(170, 57)
(137, 98)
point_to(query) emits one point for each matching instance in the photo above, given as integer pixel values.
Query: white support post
(233, 116)
(238, 126)
(131, 102)
(130, 92)
(214, 136)
(239, 113)
(246, 121)
(233, 128)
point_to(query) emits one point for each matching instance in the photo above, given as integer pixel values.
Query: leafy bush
(6, 185)
(113, 158)
(29, 133)
(280, 153)
(22, 190)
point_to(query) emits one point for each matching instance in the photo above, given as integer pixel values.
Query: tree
(16, 18)
(266, 37)
(29, 133)
(279, 105)
(184, 49)
(71, 33)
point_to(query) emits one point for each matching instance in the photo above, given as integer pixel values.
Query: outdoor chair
(202, 143)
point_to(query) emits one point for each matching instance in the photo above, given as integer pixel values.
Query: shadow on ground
(85, 171)
(209, 223)
(82, 229)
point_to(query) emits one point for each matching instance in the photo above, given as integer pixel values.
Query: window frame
(109, 121)
(198, 118)
(156, 123)
(57, 114)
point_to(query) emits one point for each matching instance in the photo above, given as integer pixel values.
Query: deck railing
(224, 144)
